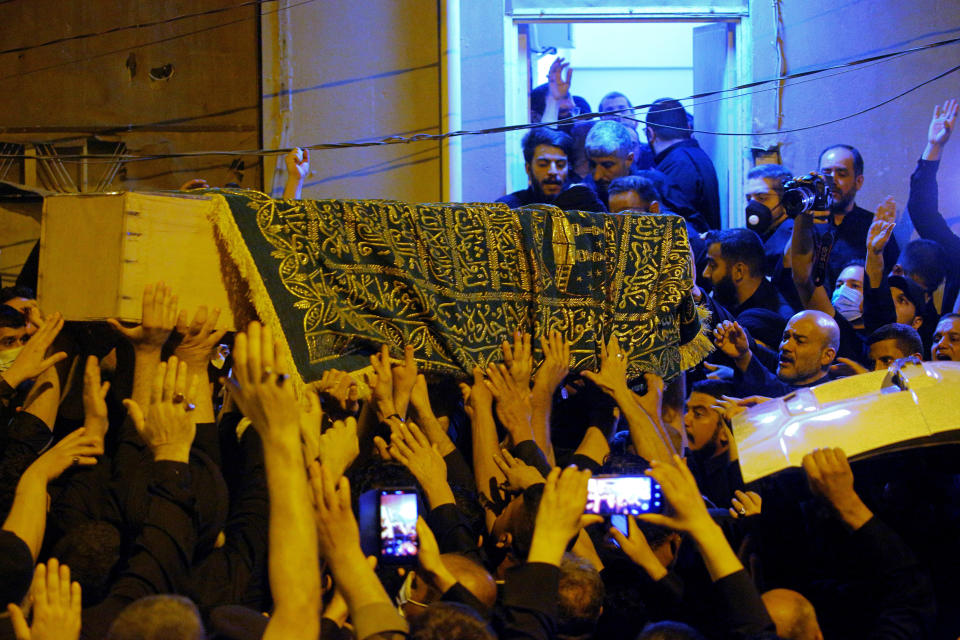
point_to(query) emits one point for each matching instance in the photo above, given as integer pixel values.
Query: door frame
(739, 71)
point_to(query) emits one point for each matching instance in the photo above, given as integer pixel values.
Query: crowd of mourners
(170, 480)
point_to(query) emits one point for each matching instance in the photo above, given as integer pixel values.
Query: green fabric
(343, 277)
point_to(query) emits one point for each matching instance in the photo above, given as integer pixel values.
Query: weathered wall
(819, 33)
(359, 72)
(101, 84)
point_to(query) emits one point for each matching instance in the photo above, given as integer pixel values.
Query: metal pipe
(450, 109)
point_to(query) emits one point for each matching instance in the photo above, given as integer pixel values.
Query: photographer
(848, 222)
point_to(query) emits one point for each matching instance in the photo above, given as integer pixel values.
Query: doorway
(645, 59)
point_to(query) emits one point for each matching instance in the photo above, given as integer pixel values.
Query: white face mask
(7, 357)
(848, 302)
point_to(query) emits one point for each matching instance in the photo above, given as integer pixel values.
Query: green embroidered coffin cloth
(341, 277)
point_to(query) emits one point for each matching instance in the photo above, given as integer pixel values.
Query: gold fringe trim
(222, 218)
(695, 351)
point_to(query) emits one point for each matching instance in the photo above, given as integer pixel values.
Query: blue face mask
(848, 302)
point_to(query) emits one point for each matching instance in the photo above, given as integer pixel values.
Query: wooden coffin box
(97, 251)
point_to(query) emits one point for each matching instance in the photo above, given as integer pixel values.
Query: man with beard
(734, 267)
(807, 349)
(609, 151)
(848, 222)
(546, 152)
(709, 439)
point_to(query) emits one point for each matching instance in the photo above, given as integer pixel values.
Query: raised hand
(75, 449)
(513, 403)
(560, 516)
(340, 388)
(731, 339)
(167, 427)
(612, 376)
(33, 360)
(430, 565)
(339, 446)
(381, 383)
(941, 124)
(157, 321)
(878, 235)
(519, 474)
(638, 549)
(558, 79)
(297, 161)
(337, 529)
(200, 337)
(56, 605)
(411, 448)
(262, 391)
(830, 477)
(404, 377)
(477, 398)
(689, 513)
(517, 358)
(556, 363)
(94, 400)
(746, 503)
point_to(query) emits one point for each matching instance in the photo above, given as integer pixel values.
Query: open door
(712, 44)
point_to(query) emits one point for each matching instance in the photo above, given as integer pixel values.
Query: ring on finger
(620, 356)
(190, 407)
(741, 510)
(75, 461)
(281, 378)
(178, 398)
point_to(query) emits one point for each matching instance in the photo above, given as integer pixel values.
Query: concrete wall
(820, 33)
(358, 72)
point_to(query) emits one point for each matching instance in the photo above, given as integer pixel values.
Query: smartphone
(398, 526)
(623, 495)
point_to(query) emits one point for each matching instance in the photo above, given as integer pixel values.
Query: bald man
(793, 614)
(807, 349)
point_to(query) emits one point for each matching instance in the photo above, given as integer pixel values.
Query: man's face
(11, 338)
(762, 190)
(906, 310)
(801, 350)
(547, 170)
(628, 200)
(717, 271)
(702, 422)
(851, 276)
(612, 104)
(606, 169)
(946, 340)
(883, 353)
(838, 163)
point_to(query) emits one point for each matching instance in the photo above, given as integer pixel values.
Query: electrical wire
(139, 25)
(390, 140)
(151, 43)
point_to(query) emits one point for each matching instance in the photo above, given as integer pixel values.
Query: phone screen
(398, 524)
(624, 495)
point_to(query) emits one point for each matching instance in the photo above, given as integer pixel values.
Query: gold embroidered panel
(342, 277)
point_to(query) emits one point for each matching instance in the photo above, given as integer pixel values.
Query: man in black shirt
(735, 268)
(679, 156)
(546, 154)
(848, 222)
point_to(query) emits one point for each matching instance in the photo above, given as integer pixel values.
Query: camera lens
(798, 199)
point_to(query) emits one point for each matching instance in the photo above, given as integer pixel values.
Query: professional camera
(811, 192)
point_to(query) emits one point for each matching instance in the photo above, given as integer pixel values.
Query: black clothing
(717, 477)
(521, 198)
(163, 552)
(765, 297)
(691, 170)
(850, 243)
(529, 607)
(923, 205)
(757, 380)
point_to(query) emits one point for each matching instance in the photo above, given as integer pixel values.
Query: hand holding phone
(623, 495)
